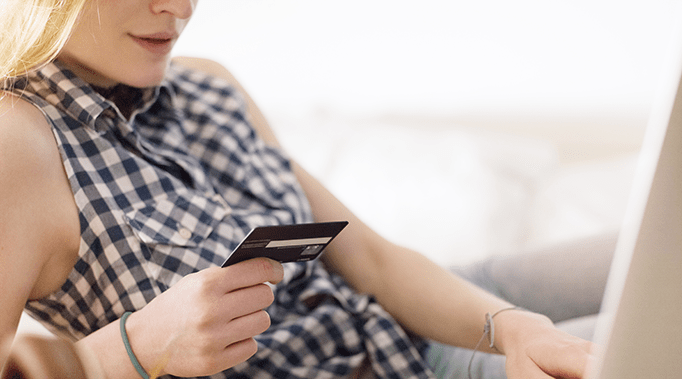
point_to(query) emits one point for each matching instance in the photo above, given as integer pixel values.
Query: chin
(143, 78)
(141, 75)
(144, 82)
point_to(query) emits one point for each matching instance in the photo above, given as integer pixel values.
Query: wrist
(515, 324)
(144, 358)
(129, 349)
(107, 344)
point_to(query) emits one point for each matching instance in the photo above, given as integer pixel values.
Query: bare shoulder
(15, 110)
(216, 69)
(25, 138)
(39, 221)
(208, 66)
(212, 68)
(18, 271)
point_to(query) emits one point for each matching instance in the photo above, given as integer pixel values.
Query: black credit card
(286, 243)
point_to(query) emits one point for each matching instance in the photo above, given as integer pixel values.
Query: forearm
(438, 305)
(435, 304)
(431, 301)
(422, 296)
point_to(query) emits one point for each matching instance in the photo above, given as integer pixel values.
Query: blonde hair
(32, 32)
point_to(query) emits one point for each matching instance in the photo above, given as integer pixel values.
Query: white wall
(453, 126)
(450, 57)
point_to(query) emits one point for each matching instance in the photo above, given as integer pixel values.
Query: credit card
(286, 243)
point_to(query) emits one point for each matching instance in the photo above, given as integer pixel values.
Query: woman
(125, 181)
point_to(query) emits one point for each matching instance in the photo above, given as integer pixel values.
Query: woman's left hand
(535, 349)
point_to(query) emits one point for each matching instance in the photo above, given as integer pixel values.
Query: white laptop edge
(640, 328)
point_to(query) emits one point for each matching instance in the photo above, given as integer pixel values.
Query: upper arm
(358, 253)
(33, 223)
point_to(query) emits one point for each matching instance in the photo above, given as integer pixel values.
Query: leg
(561, 282)
(565, 283)
(449, 362)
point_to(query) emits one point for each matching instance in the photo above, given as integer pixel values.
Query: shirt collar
(60, 87)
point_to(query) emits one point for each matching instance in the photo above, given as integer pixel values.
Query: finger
(245, 327)
(563, 360)
(208, 342)
(236, 353)
(591, 365)
(249, 273)
(238, 340)
(523, 368)
(244, 301)
(220, 360)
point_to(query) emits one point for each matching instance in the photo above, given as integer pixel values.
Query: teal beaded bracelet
(129, 349)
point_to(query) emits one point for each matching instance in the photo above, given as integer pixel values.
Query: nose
(181, 9)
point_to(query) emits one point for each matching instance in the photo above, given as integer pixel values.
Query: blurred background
(459, 128)
(462, 129)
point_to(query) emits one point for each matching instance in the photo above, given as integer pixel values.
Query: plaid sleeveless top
(172, 191)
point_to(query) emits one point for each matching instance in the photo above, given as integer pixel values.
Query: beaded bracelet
(489, 331)
(129, 349)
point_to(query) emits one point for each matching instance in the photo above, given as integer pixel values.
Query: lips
(157, 43)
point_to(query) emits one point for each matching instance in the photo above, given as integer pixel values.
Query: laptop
(640, 330)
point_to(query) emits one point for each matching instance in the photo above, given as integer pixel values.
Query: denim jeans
(565, 283)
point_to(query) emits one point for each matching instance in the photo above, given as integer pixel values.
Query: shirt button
(220, 200)
(185, 233)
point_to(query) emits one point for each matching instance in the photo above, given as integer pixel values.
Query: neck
(89, 75)
(126, 98)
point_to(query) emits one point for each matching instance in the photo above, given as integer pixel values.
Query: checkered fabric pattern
(173, 191)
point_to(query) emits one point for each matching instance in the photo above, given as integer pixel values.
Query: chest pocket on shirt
(176, 221)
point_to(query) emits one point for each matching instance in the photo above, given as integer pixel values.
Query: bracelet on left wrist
(488, 331)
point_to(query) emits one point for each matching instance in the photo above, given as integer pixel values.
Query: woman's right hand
(206, 322)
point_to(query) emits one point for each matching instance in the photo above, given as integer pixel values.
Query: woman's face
(126, 41)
